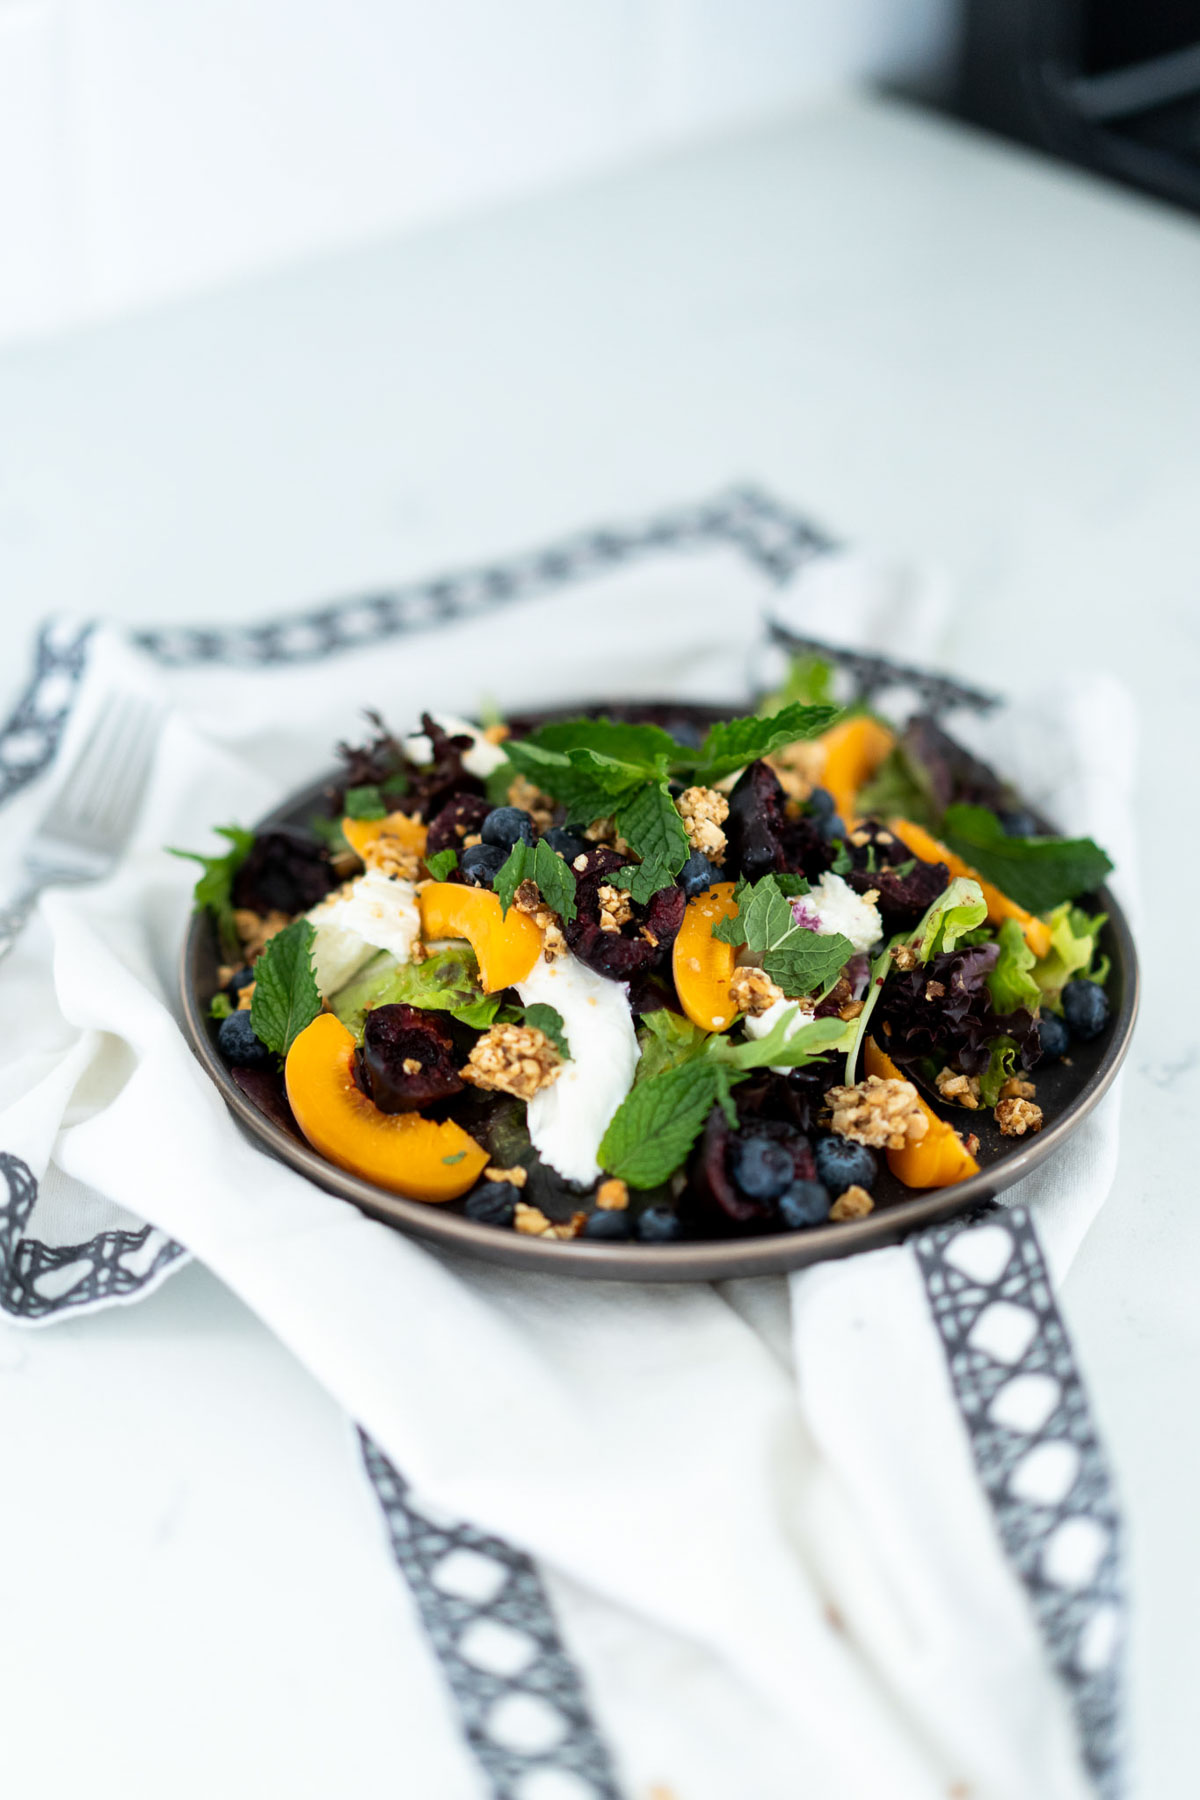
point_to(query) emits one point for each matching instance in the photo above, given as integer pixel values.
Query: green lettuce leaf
(809, 682)
(364, 803)
(900, 788)
(1036, 872)
(667, 1039)
(1074, 946)
(447, 981)
(960, 909)
(778, 1050)
(1010, 983)
(1002, 1063)
(285, 989)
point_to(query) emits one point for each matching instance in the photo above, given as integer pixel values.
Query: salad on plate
(632, 977)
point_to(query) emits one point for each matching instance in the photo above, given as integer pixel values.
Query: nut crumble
(512, 1059)
(880, 1113)
(1016, 1117)
(704, 812)
(855, 1203)
(753, 992)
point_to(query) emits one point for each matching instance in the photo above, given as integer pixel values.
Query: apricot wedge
(922, 843)
(853, 752)
(506, 945)
(410, 834)
(400, 1151)
(702, 964)
(941, 1158)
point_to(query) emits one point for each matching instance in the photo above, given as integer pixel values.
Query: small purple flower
(804, 915)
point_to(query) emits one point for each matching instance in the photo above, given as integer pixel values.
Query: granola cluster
(531, 1221)
(255, 930)
(539, 806)
(391, 856)
(799, 768)
(883, 1113)
(1016, 1116)
(528, 900)
(961, 1090)
(616, 908)
(704, 812)
(753, 992)
(855, 1203)
(512, 1059)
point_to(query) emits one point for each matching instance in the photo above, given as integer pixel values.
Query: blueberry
(608, 1224)
(1054, 1037)
(761, 1168)
(481, 863)
(659, 1225)
(566, 843)
(697, 875)
(822, 802)
(506, 826)
(1085, 1008)
(831, 827)
(491, 1203)
(805, 1203)
(842, 1164)
(238, 1044)
(1018, 823)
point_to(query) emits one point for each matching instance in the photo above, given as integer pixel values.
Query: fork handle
(13, 916)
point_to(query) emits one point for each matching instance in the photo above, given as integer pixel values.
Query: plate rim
(710, 1259)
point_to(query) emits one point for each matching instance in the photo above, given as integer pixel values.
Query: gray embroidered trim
(1039, 1460)
(33, 730)
(37, 1280)
(519, 1696)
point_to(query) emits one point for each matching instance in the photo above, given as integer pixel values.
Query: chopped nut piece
(972, 1144)
(752, 991)
(512, 1059)
(580, 863)
(417, 952)
(1017, 1088)
(571, 1229)
(226, 973)
(799, 768)
(528, 900)
(1016, 1117)
(704, 811)
(879, 1113)
(531, 1221)
(859, 838)
(539, 806)
(851, 1009)
(496, 734)
(612, 1195)
(935, 990)
(472, 838)
(516, 1176)
(963, 1090)
(616, 908)
(601, 831)
(245, 996)
(412, 1065)
(645, 932)
(855, 1203)
(904, 957)
(256, 931)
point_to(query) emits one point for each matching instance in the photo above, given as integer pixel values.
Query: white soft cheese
(757, 1026)
(373, 912)
(480, 759)
(568, 1119)
(839, 908)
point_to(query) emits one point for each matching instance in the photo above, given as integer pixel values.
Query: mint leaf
(285, 989)
(213, 891)
(330, 833)
(442, 864)
(655, 1126)
(957, 910)
(642, 881)
(802, 961)
(364, 803)
(447, 981)
(1010, 983)
(732, 743)
(649, 821)
(538, 863)
(1036, 872)
(778, 1049)
(809, 679)
(549, 1021)
(640, 746)
(220, 1006)
(498, 782)
(667, 1039)
(809, 961)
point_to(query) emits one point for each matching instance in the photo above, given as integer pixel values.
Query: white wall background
(152, 146)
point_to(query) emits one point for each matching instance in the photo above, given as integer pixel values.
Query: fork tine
(120, 803)
(106, 777)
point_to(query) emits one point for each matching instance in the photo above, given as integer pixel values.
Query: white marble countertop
(927, 340)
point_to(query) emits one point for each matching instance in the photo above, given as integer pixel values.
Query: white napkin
(764, 1513)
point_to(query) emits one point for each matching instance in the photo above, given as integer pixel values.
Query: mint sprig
(538, 863)
(801, 960)
(442, 864)
(286, 998)
(1037, 872)
(364, 803)
(213, 891)
(732, 743)
(549, 1021)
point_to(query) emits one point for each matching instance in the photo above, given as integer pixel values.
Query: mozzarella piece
(839, 908)
(480, 759)
(568, 1119)
(373, 912)
(758, 1026)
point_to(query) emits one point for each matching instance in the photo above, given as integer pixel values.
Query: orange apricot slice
(941, 1158)
(922, 843)
(400, 1151)
(702, 964)
(854, 749)
(506, 945)
(410, 834)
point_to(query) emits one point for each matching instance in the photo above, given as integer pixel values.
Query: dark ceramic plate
(1065, 1094)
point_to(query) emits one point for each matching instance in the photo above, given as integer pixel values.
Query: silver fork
(87, 824)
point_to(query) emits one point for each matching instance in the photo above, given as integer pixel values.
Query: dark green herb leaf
(732, 743)
(657, 1123)
(549, 1021)
(808, 961)
(800, 960)
(1036, 872)
(364, 803)
(901, 788)
(455, 1156)
(442, 864)
(538, 863)
(667, 1039)
(213, 891)
(498, 782)
(220, 1006)
(285, 989)
(330, 832)
(640, 746)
